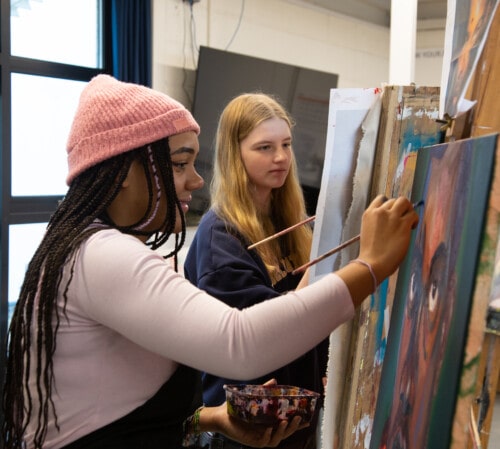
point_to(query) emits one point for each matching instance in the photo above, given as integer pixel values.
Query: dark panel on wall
(222, 75)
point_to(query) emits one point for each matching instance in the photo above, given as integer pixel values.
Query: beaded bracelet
(367, 265)
(191, 428)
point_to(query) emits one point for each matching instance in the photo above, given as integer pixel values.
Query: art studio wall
(284, 31)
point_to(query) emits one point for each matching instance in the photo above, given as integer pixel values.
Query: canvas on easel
(347, 110)
(423, 363)
(468, 23)
(407, 123)
(346, 140)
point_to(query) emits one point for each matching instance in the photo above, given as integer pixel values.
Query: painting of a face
(411, 124)
(429, 320)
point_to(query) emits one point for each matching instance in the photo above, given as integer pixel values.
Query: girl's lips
(278, 172)
(185, 204)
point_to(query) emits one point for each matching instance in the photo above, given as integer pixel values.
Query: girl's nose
(195, 181)
(281, 154)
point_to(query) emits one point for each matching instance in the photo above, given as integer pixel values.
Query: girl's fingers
(405, 209)
(389, 204)
(402, 205)
(378, 201)
(285, 429)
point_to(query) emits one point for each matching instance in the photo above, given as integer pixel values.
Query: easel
(485, 119)
(471, 427)
(488, 380)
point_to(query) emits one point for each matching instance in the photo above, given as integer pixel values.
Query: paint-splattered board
(407, 123)
(346, 140)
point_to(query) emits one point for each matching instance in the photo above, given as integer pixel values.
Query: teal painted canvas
(429, 321)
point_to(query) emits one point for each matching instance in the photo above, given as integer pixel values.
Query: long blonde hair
(230, 187)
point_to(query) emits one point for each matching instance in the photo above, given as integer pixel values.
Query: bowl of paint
(270, 404)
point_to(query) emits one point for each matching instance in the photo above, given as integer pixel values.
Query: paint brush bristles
(284, 231)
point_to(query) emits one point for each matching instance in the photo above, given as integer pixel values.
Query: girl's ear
(126, 181)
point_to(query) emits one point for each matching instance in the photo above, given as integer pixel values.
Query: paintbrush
(327, 254)
(338, 248)
(284, 231)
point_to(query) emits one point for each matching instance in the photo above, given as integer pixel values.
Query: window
(23, 241)
(41, 113)
(49, 50)
(62, 31)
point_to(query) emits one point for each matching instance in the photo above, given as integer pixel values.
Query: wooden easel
(485, 119)
(488, 380)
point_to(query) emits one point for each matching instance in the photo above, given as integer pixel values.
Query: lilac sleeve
(125, 286)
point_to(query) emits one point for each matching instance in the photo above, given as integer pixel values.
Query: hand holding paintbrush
(337, 249)
(330, 252)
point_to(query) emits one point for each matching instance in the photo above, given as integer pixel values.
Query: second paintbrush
(338, 248)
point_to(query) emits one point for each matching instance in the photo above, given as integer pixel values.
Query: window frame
(29, 209)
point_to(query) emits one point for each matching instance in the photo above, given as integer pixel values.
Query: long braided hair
(33, 320)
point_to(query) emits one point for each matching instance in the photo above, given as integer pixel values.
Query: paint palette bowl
(270, 404)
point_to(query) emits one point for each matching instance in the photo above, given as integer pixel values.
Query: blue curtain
(131, 41)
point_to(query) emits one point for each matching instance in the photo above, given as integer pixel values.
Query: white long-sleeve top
(131, 319)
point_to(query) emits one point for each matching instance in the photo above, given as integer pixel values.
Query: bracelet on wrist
(370, 268)
(191, 428)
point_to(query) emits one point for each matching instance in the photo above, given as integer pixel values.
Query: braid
(164, 162)
(36, 310)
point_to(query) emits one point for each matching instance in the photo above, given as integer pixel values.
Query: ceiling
(378, 11)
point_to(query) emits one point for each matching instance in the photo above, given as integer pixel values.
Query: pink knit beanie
(114, 117)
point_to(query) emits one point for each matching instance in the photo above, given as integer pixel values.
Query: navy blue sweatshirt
(219, 263)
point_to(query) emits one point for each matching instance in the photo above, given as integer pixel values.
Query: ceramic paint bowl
(270, 404)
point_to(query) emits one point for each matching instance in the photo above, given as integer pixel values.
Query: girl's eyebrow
(182, 150)
(270, 141)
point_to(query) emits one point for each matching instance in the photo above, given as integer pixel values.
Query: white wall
(282, 31)
(429, 57)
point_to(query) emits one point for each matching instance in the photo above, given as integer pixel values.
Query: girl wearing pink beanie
(107, 339)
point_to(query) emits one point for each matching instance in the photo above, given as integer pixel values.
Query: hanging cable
(237, 26)
(184, 60)
(194, 44)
